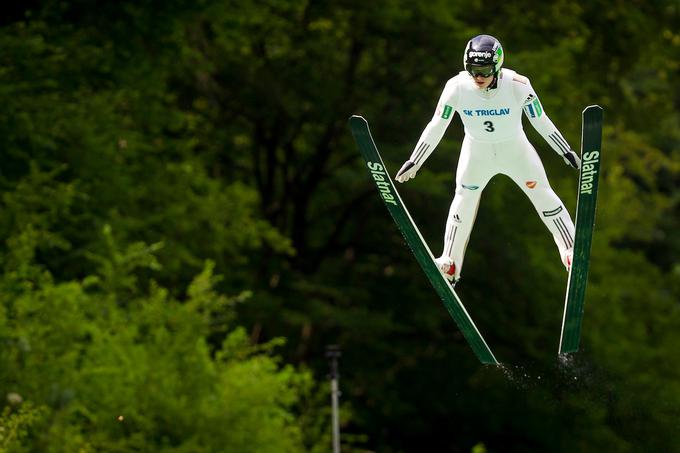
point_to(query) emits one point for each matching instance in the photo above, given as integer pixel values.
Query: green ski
(591, 154)
(401, 216)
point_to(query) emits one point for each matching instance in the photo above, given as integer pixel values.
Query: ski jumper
(494, 143)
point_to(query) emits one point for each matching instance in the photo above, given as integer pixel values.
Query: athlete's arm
(541, 122)
(433, 132)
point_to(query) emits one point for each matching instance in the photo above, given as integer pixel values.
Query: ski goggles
(484, 71)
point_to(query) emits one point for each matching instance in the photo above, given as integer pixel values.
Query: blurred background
(186, 224)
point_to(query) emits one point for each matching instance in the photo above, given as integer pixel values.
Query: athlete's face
(482, 75)
(481, 81)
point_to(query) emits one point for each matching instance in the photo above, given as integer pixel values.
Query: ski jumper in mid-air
(490, 102)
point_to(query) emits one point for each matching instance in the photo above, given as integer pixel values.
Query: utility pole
(333, 353)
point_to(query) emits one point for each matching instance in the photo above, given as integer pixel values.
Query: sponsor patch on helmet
(498, 54)
(484, 54)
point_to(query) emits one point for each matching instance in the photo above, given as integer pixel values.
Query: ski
(378, 172)
(591, 155)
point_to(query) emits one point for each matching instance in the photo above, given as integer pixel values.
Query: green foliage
(138, 373)
(116, 362)
(15, 425)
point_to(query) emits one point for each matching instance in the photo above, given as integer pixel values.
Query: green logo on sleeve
(537, 107)
(447, 112)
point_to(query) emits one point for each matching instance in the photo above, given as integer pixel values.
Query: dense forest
(186, 224)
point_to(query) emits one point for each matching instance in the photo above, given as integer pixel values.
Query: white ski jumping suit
(494, 143)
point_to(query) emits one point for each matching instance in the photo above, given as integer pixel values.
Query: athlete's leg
(524, 166)
(476, 166)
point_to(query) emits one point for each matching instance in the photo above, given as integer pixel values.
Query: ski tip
(357, 122)
(593, 114)
(593, 108)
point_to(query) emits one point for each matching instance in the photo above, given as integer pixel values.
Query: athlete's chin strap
(494, 83)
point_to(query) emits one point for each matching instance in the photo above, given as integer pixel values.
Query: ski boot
(567, 258)
(448, 269)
